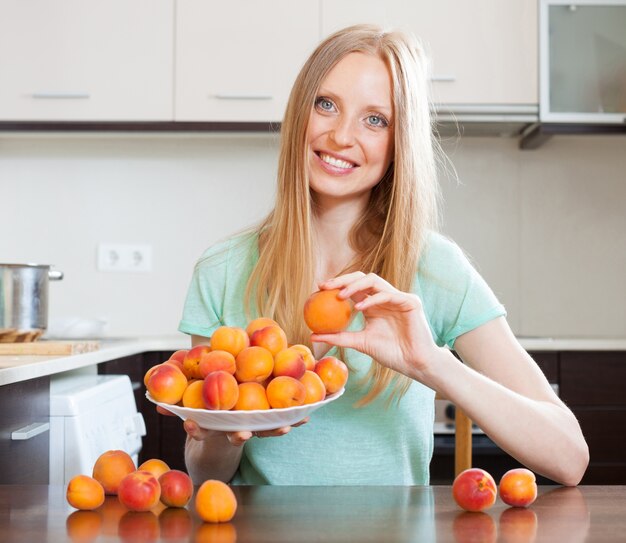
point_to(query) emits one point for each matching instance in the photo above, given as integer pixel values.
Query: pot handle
(55, 275)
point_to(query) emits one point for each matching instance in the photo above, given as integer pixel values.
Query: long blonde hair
(403, 206)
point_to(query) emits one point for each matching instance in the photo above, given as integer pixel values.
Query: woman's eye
(377, 120)
(324, 104)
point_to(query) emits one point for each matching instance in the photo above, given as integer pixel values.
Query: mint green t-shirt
(341, 444)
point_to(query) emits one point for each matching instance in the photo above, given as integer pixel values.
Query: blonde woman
(357, 210)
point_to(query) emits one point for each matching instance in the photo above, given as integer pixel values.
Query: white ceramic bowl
(254, 421)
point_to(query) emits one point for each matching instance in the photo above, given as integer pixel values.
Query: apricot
(289, 362)
(272, 338)
(333, 373)
(139, 491)
(326, 313)
(167, 384)
(259, 323)
(215, 501)
(251, 396)
(307, 355)
(176, 363)
(474, 489)
(176, 488)
(179, 355)
(230, 339)
(220, 391)
(285, 391)
(315, 389)
(155, 466)
(254, 364)
(518, 487)
(111, 467)
(192, 361)
(192, 397)
(85, 493)
(149, 373)
(83, 526)
(216, 360)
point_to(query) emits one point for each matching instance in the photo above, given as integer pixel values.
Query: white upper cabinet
(484, 52)
(237, 60)
(86, 60)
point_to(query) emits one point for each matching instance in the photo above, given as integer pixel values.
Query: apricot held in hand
(326, 313)
(518, 487)
(474, 489)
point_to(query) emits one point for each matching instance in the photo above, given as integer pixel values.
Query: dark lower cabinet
(593, 385)
(25, 432)
(165, 436)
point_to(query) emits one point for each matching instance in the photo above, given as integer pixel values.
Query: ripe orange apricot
(326, 313)
(230, 339)
(285, 391)
(272, 337)
(289, 362)
(216, 360)
(167, 384)
(259, 323)
(315, 389)
(192, 397)
(139, 491)
(333, 373)
(111, 467)
(474, 489)
(176, 488)
(192, 361)
(518, 487)
(84, 492)
(251, 396)
(307, 355)
(254, 364)
(215, 501)
(156, 466)
(220, 390)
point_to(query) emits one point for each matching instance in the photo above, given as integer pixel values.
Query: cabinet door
(236, 61)
(86, 60)
(483, 52)
(25, 432)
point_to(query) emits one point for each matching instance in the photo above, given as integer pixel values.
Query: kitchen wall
(546, 228)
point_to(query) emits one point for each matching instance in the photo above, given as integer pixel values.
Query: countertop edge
(14, 369)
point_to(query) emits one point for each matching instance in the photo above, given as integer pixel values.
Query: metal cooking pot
(24, 300)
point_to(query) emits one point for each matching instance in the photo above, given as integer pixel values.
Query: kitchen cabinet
(592, 385)
(24, 432)
(165, 437)
(483, 52)
(236, 61)
(86, 60)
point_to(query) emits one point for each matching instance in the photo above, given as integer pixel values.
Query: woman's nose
(343, 132)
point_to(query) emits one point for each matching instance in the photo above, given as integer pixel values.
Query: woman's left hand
(396, 333)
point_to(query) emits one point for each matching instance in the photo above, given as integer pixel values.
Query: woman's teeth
(336, 162)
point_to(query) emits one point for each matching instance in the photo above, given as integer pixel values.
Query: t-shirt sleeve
(205, 297)
(455, 296)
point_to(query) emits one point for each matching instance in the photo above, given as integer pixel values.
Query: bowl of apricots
(246, 379)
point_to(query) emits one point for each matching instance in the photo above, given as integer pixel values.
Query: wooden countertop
(342, 513)
(21, 368)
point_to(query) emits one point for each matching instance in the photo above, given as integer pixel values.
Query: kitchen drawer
(548, 361)
(593, 378)
(604, 431)
(22, 404)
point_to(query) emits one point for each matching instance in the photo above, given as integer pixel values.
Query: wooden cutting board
(50, 348)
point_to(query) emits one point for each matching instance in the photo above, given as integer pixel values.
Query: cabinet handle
(244, 96)
(29, 431)
(443, 78)
(50, 95)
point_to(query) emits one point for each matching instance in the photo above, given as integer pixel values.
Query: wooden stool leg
(462, 442)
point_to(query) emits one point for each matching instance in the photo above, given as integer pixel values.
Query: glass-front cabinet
(583, 61)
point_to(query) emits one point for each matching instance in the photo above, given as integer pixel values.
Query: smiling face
(350, 131)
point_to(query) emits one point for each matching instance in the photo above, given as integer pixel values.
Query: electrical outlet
(125, 257)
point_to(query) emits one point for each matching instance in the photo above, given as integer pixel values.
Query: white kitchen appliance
(91, 414)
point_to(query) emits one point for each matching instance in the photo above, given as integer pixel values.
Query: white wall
(547, 228)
